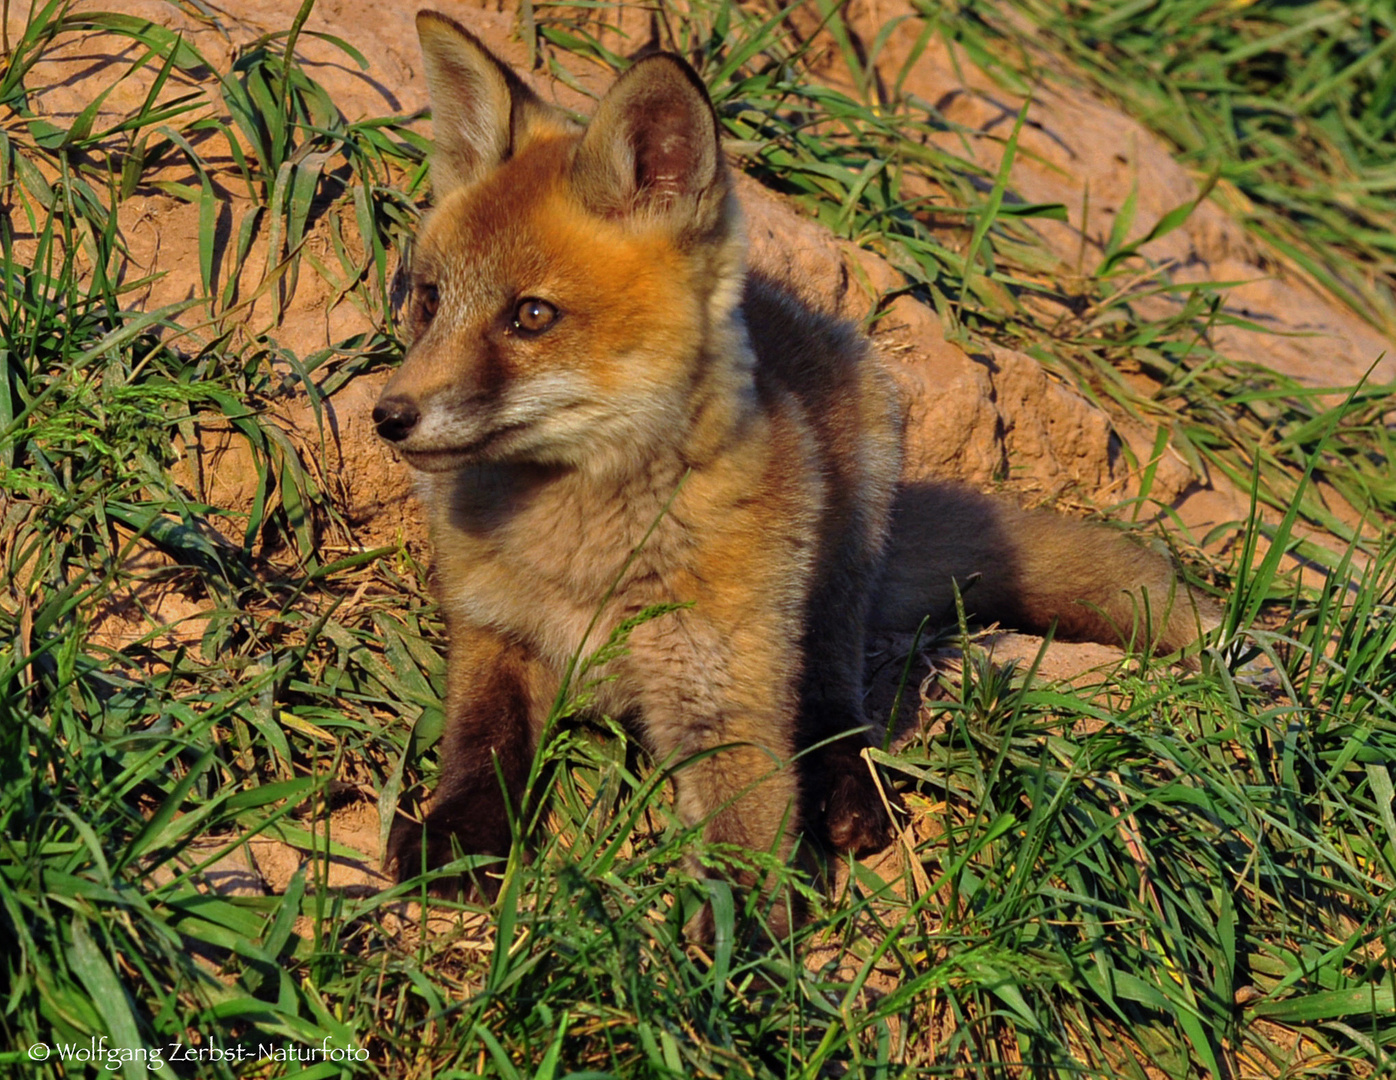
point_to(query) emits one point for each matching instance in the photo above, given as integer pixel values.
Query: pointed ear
(481, 111)
(652, 147)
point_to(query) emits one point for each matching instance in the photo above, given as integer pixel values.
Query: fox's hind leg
(845, 808)
(497, 698)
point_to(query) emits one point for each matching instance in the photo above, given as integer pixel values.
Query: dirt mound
(1077, 150)
(973, 416)
(980, 415)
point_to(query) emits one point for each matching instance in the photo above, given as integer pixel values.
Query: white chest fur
(536, 552)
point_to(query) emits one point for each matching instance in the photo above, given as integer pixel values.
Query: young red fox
(588, 349)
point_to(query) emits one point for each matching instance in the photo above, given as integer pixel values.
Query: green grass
(1174, 870)
(1291, 105)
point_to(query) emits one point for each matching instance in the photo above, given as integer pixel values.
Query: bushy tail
(1027, 569)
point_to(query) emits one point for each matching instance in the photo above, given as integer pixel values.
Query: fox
(606, 411)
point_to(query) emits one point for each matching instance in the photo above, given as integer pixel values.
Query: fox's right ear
(481, 111)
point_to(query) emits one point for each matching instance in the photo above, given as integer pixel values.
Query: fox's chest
(538, 557)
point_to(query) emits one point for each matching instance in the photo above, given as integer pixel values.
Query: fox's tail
(1029, 569)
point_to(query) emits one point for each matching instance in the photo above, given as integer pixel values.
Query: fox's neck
(721, 403)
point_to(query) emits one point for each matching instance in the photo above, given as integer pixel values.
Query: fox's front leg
(497, 698)
(724, 725)
(745, 797)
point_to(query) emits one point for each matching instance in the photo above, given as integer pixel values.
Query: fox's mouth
(448, 458)
(435, 460)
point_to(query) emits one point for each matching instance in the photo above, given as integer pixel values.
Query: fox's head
(568, 283)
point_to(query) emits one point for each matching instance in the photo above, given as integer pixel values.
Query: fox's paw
(855, 814)
(417, 846)
(783, 911)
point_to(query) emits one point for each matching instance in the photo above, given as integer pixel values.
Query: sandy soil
(975, 415)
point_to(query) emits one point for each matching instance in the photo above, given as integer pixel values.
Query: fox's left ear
(652, 147)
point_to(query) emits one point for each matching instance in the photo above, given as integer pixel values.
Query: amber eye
(533, 316)
(428, 300)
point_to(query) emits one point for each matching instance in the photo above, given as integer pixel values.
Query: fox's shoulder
(823, 360)
(792, 338)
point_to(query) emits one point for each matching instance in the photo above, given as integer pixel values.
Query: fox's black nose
(395, 418)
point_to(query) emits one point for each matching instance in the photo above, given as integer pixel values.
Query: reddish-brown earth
(979, 415)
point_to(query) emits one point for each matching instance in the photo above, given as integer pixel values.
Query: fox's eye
(428, 300)
(533, 316)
